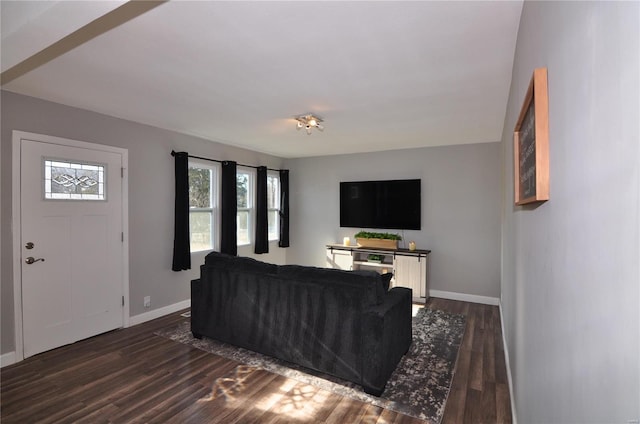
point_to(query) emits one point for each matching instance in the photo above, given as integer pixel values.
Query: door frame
(16, 219)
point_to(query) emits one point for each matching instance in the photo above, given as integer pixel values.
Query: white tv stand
(409, 267)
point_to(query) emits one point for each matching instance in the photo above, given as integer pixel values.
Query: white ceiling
(383, 75)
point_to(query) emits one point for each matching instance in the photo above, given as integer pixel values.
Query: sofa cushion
(380, 286)
(368, 281)
(222, 260)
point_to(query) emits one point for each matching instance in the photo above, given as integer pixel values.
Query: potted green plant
(374, 258)
(379, 240)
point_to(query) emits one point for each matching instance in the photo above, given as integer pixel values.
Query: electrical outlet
(147, 301)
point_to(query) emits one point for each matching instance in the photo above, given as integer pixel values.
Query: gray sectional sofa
(347, 324)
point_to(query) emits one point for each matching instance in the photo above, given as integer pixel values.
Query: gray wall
(570, 278)
(151, 197)
(460, 209)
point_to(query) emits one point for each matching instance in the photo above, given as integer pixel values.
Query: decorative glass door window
(73, 180)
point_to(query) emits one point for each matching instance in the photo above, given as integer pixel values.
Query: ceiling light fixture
(309, 121)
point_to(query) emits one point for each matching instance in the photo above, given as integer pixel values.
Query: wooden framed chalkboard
(531, 143)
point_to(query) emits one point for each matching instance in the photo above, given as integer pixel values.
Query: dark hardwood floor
(132, 375)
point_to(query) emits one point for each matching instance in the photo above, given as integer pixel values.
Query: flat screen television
(393, 204)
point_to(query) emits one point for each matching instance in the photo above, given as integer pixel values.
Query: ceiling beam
(99, 26)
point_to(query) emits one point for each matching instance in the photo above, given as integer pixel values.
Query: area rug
(418, 387)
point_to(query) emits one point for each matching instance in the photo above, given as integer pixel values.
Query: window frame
(276, 175)
(214, 197)
(250, 209)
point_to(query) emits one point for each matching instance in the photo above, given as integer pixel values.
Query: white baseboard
(10, 357)
(7, 359)
(473, 298)
(160, 312)
(508, 365)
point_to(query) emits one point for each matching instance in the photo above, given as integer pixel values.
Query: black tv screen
(394, 204)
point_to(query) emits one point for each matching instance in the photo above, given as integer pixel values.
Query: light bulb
(320, 127)
(313, 122)
(308, 130)
(299, 125)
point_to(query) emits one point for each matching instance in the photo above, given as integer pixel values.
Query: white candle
(346, 241)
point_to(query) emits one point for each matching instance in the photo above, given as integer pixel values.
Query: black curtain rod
(173, 153)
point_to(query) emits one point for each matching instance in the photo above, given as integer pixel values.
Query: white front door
(71, 243)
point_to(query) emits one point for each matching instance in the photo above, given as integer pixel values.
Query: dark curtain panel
(181, 248)
(262, 223)
(284, 208)
(229, 209)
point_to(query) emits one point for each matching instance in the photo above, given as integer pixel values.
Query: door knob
(29, 245)
(31, 260)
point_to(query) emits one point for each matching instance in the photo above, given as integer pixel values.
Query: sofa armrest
(386, 335)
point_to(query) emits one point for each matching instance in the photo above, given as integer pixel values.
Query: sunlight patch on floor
(294, 400)
(297, 401)
(372, 417)
(302, 403)
(229, 387)
(267, 402)
(415, 308)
